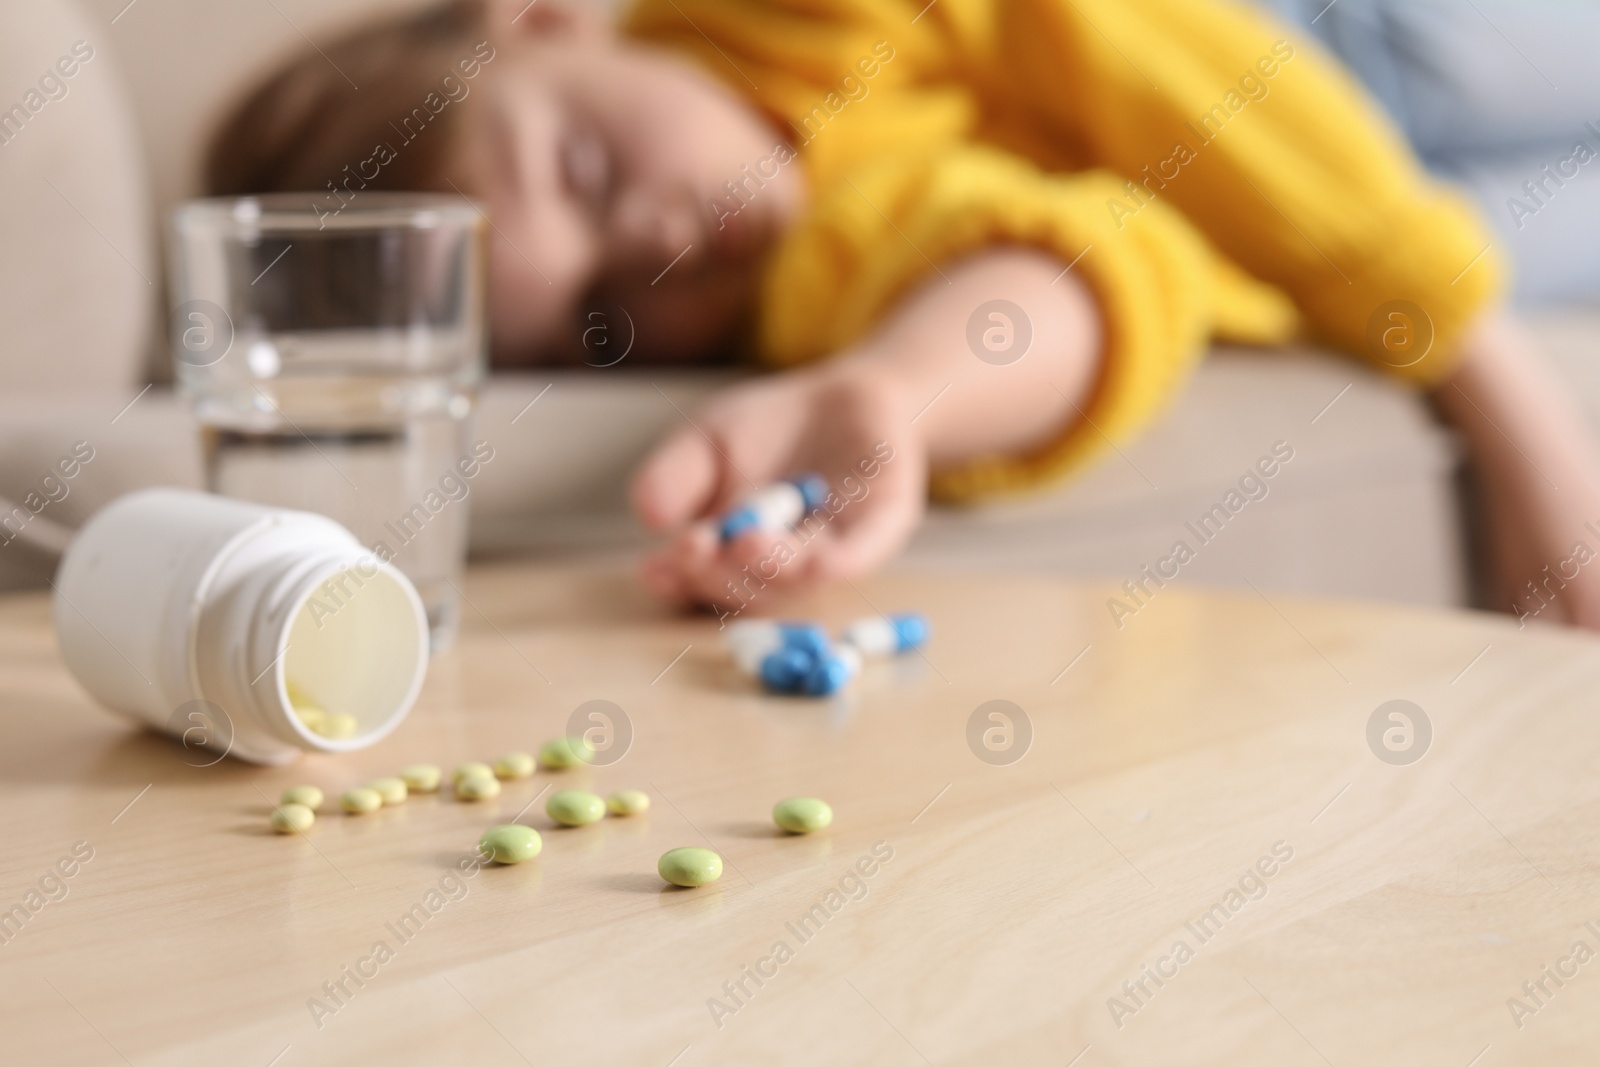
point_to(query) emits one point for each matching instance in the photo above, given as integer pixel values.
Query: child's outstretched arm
(915, 385)
(1539, 471)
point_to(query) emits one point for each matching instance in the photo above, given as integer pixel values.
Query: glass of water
(333, 360)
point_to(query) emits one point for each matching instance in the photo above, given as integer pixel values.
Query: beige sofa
(1366, 508)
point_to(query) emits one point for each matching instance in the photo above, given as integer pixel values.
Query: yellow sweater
(1215, 179)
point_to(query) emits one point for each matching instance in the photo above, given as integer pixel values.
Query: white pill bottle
(193, 613)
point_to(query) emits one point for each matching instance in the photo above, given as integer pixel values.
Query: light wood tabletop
(1207, 852)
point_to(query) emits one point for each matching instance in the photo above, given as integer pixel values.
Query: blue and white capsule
(751, 641)
(775, 508)
(879, 637)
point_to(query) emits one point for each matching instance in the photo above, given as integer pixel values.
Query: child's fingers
(678, 481)
(870, 530)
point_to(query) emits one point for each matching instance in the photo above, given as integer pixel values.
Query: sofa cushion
(78, 272)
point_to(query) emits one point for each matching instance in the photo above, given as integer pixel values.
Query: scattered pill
(775, 508)
(802, 815)
(514, 765)
(880, 636)
(690, 866)
(392, 790)
(565, 752)
(575, 807)
(306, 795)
(806, 665)
(292, 818)
(478, 787)
(628, 802)
(511, 843)
(422, 778)
(832, 672)
(471, 770)
(361, 800)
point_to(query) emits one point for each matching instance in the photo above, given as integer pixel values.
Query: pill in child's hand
(565, 752)
(361, 800)
(292, 818)
(628, 802)
(421, 778)
(514, 765)
(775, 508)
(392, 790)
(511, 843)
(307, 795)
(478, 787)
(690, 867)
(880, 636)
(575, 807)
(472, 770)
(802, 815)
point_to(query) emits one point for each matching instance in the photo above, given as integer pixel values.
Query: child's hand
(849, 423)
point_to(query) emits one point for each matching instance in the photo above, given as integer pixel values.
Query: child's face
(601, 162)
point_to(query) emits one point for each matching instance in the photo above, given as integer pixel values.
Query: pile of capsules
(800, 658)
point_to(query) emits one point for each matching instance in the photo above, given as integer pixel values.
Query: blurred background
(1490, 93)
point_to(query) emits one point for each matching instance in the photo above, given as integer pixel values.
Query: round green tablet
(628, 802)
(421, 778)
(467, 770)
(801, 815)
(392, 790)
(574, 807)
(511, 843)
(514, 765)
(307, 795)
(690, 866)
(478, 787)
(361, 800)
(291, 818)
(565, 752)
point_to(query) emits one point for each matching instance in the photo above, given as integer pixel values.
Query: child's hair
(305, 124)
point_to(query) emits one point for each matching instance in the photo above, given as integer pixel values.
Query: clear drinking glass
(333, 361)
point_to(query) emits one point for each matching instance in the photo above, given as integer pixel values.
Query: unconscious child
(896, 200)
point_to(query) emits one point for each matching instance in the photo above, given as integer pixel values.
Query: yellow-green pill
(361, 800)
(802, 815)
(305, 795)
(628, 802)
(511, 843)
(392, 790)
(338, 726)
(575, 807)
(291, 818)
(422, 778)
(470, 770)
(514, 765)
(565, 752)
(478, 787)
(690, 867)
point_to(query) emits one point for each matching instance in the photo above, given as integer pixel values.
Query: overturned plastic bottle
(197, 615)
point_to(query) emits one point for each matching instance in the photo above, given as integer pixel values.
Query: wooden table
(1018, 912)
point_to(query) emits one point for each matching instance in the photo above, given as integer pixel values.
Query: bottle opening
(354, 657)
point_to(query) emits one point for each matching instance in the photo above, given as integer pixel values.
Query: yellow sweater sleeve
(881, 231)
